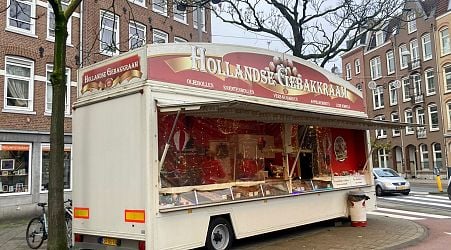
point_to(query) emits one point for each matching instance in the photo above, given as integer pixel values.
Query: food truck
(178, 146)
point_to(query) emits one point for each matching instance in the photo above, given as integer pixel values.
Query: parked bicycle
(37, 230)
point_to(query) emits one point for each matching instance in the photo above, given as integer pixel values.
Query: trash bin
(357, 208)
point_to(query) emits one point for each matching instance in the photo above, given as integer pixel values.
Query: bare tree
(316, 30)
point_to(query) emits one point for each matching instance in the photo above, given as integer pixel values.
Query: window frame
(409, 120)
(382, 156)
(427, 81)
(177, 12)
(160, 34)
(424, 152)
(44, 147)
(203, 20)
(375, 68)
(69, 25)
(411, 22)
(395, 132)
(405, 98)
(393, 94)
(140, 27)
(379, 38)
(414, 54)
(19, 62)
(348, 71)
(141, 3)
(378, 93)
(445, 78)
(423, 43)
(444, 50)
(390, 56)
(433, 127)
(435, 152)
(48, 110)
(115, 29)
(380, 133)
(32, 16)
(164, 9)
(180, 39)
(357, 66)
(448, 107)
(403, 59)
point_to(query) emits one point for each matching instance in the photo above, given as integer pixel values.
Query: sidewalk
(381, 233)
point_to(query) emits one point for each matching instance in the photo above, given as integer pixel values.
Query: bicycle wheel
(35, 233)
(69, 232)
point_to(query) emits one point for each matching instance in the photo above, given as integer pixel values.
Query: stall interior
(213, 160)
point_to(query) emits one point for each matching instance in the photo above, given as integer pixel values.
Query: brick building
(403, 81)
(26, 56)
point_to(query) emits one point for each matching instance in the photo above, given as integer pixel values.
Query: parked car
(388, 180)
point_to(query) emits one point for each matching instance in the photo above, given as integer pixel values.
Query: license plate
(400, 188)
(109, 241)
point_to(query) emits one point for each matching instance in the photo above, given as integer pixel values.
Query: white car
(388, 180)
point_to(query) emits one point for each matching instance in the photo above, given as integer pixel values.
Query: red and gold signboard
(112, 74)
(284, 78)
(14, 147)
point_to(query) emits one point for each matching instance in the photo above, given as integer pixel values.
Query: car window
(386, 173)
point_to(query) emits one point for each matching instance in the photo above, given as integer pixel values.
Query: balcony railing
(414, 64)
(421, 132)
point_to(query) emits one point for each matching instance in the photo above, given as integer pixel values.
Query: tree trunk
(57, 228)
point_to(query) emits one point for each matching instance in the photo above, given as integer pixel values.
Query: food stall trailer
(178, 146)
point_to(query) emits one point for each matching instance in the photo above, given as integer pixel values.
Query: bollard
(437, 179)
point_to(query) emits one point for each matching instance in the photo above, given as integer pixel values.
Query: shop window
(430, 81)
(49, 91)
(424, 156)
(159, 36)
(136, 35)
(45, 164)
(427, 47)
(19, 84)
(15, 168)
(51, 23)
(109, 33)
(21, 16)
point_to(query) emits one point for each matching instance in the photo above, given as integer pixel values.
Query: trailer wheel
(220, 234)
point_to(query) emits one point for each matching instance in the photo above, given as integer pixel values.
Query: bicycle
(37, 229)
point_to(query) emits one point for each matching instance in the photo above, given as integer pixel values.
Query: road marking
(438, 197)
(395, 216)
(417, 202)
(429, 199)
(422, 193)
(447, 233)
(412, 213)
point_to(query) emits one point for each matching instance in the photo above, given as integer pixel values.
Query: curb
(412, 242)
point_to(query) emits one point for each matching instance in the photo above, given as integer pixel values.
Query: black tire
(220, 234)
(449, 191)
(69, 232)
(406, 193)
(35, 233)
(379, 191)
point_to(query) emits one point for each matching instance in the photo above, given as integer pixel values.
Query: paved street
(12, 235)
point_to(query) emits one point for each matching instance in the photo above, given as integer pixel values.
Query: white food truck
(177, 146)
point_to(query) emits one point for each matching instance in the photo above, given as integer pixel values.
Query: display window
(15, 168)
(45, 164)
(212, 160)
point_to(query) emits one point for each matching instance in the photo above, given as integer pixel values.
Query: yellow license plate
(401, 188)
(109, 241)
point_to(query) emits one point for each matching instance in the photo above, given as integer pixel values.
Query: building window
(411, 23)
(109, 35)
(45, 163)
(380, 133)
(395, 118)
(51, 23)
(180, 15)
(179, 40)
(348, 71)
(424, 156)
(159, 36)
(444, 42)
(405, 89)
(378, 97)
(447, 72)
(137, 35)
(416, 84)
(138, 2)
(437, 154)
(19, 84)
(414, 54)
(15, 168)
(393, 94)
(420, 116)
(49, 91)
(202, 17)
(448, 106)
(357, 66)
(390, 62)
(427, 47)
(21, 16)
(433, 117)
(382, 156)
(379, 38)
(430, 82)
(403, 55)
(359, 86)
(409, 119)
(375, 65)
(159, 6)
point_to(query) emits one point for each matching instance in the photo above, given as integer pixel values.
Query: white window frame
(382, 156)
(202, 11)
(357, 66)
(32, 20)
(179, 40)
(393, 94)
(180, 16)
(141, 3)
(414, 54)
(416, 79)
(405, 89)
(48, 106)
(426, 43)
(348, 71)
(403, 58)
(159, 34)
(433, 127)
(380, 133)
(429, 82)
(424, 156)
(447, 77)
(395, 118)
(20, 62)
(160, 7)
(375, 68)
(420, 116)
(390, 55)
(408, 114)
(411, 22)
(115, 29)
(378, 98)
(436, 152)
(379, 38)
(132, 26)
(69, 24)
(448, 107)
(46, 146)
(445, 46)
